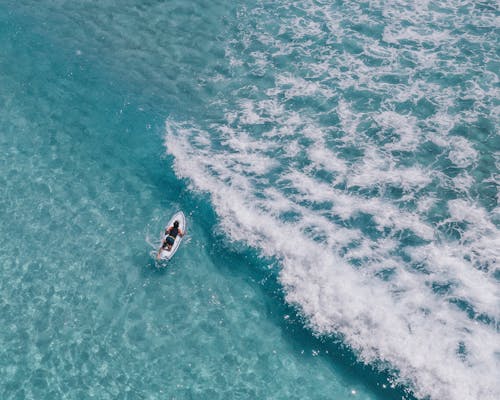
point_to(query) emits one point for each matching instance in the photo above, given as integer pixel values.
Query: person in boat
(171, 234)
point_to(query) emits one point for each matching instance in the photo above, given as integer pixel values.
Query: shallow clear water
(338, 165)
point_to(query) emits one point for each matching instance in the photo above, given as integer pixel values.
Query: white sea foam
(370, 247)
(407, 318)
(462, 153)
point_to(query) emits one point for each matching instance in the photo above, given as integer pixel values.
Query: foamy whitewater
(358, 145)
(338, 166)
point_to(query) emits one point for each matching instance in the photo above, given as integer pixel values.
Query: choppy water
(338, 163)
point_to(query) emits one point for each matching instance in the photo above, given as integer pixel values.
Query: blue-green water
(338, 165)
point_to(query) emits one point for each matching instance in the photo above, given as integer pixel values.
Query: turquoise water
(338, 166)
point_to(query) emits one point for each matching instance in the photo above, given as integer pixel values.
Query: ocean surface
(338, 164)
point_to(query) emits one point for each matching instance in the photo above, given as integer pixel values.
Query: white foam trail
(378, 242)
(393, 320)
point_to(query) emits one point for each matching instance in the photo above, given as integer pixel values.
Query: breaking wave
(356, 144)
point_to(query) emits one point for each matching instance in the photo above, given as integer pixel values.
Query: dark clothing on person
(173, 231)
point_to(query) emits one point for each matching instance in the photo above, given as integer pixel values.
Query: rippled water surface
(338, 165)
